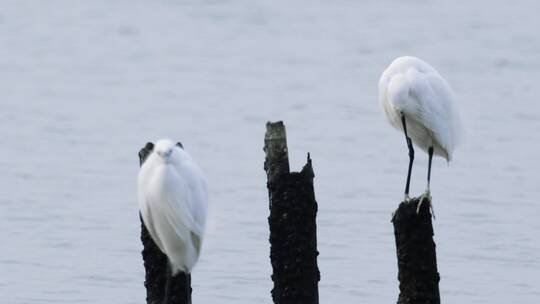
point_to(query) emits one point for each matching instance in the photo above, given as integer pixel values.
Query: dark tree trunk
(292, 221)
(156, 265)
(417, 261)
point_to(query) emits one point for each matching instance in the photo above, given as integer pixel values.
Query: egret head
(164, 148)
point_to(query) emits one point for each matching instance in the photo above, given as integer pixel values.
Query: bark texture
(417, 261)
(292, 221)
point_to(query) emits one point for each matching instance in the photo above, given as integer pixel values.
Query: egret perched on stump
(417, 100)
(172, 197)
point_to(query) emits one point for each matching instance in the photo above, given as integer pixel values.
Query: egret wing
(433, 107)
(177, 204)
(186, 208)
(147, 198)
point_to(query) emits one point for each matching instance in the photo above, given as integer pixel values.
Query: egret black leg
(188, 288)
(427, 194)
(411, 156)
(168, 284)
(430, 157)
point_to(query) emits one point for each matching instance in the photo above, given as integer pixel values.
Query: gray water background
(85, 84)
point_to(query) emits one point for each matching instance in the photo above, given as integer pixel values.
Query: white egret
(172, 197)
(417, 100)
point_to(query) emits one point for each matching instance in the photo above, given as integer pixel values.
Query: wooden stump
(417, 262)
(292, 221)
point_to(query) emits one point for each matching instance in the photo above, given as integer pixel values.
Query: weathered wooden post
(292, 221)
(417, 262)
(157, 268)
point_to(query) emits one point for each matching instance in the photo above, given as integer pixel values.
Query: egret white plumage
(172, 195)
(417, 100)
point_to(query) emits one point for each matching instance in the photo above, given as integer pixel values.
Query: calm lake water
(85, 84)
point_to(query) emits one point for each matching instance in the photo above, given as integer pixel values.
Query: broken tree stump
(417, 262)
(292, 221)
(156, 264)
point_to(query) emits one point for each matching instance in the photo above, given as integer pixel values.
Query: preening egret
(172, 197)
(417, 100)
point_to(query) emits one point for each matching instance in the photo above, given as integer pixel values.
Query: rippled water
(84, 85)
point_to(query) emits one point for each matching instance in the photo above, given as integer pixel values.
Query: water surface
(85, 85)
